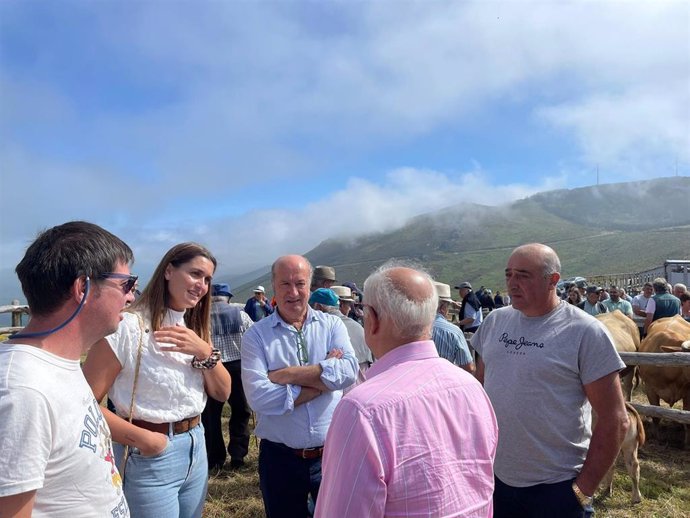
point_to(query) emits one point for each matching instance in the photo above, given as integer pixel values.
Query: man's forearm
(304, 376)
(606, 441)
(307, 394)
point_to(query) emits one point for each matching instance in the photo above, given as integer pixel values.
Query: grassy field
(664, 483)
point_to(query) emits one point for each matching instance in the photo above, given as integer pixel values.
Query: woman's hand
(183, 340)
(155, 443)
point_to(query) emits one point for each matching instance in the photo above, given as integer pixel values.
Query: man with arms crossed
(418, 438)
(543, 363)
(295, 364)
(57, 459)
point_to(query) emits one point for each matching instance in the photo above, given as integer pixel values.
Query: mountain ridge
(595, 230)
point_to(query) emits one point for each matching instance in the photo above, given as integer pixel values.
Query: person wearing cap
(547, 366)
(295, 365)
(449, 340)
(418, 438)
(591, 304)
(354, 330)
(228, 324)
(258, 307)
(324, 277)
(471, 310)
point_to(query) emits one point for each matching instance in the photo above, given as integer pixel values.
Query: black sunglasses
(127, 285)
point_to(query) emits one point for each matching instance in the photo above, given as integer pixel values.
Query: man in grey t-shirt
(545, 365)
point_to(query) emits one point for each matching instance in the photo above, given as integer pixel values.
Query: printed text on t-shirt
(519, 343)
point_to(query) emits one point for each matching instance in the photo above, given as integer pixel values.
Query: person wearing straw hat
(449, 340)
(324, 277)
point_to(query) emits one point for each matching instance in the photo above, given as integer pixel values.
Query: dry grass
(664, 483)
(236, 493)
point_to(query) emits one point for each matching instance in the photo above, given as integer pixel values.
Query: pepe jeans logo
(516, 344)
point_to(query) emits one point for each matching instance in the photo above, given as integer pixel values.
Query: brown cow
(634, 438)
(668, 383)
(626, 338)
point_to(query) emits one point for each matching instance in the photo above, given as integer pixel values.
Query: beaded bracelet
(209, 362)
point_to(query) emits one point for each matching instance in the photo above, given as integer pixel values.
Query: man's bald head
(413, 284)
(404, 299)
(541, 254)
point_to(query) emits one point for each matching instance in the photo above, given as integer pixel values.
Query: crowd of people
(368, 402)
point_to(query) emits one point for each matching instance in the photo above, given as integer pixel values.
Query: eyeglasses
(302, 353)
(129, 280)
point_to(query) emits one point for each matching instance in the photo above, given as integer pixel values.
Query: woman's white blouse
(168, 388)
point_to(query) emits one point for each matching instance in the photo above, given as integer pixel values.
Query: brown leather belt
(303, 453)
(308, 453)
(179, 427)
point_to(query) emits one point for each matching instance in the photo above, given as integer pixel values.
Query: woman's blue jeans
(170, 484)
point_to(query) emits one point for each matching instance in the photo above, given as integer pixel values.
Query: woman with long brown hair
(574, 296)
(158, 369)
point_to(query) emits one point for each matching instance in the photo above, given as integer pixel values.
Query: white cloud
(240, 96)
(631, 128)
(364, 206)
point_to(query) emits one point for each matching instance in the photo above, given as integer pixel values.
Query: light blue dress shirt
(272, 344)
(450, 342)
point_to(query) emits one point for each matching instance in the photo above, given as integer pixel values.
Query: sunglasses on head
(129, 280)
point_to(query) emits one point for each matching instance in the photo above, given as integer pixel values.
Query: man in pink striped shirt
(418, 438)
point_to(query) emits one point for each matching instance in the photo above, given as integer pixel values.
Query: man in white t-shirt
(57, 459)
(639, 303)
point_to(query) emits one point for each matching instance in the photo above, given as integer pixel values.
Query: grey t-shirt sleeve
(597, 355)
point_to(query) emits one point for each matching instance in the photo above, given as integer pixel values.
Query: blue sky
(262, 128)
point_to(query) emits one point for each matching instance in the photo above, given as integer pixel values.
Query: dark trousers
(238, 426)
(287, 480)
(540, 501)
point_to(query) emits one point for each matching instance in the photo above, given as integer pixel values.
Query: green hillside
(595, 230)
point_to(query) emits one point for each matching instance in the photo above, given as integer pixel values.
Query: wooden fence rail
(17, 310)
(659, 360)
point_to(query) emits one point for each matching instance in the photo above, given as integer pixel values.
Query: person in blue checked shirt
(449, 340)
(295, 364)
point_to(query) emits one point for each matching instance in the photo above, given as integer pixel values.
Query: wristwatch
(584, 500)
